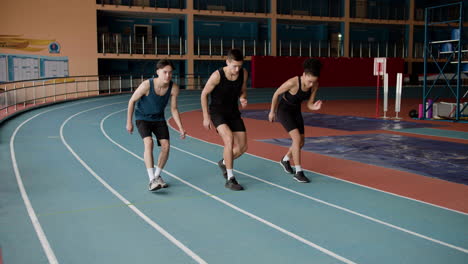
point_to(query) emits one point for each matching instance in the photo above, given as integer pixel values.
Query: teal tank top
(151, 107)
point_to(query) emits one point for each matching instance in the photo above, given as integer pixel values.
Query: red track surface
(431, 190)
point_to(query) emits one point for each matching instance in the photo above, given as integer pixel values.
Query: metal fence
(127, 44)
(244, 6)
(212, 46)
(362, 49)
(319, 48)
(302, 8)
(438, 50)
(145, 3)
(220, 46)
(40, 91)
(379, 12)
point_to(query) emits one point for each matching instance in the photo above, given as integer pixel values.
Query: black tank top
(296, 99)
(225, 95)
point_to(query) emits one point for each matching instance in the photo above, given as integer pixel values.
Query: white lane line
(336, 206)
(123, 199)
(333, 205)
(32, 214)
(282, 230)
(329, 176)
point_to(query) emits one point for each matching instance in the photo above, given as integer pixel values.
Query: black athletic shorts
(158, 128)
(233, 121)
(290, 117)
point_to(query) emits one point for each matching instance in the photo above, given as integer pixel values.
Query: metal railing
(40, 91)
(244, 6)
(127, 44)
(180, 4)
(318, 48)
(220, 46)
(379, 12)
(378, 49)
(438, 50)
(442, 13)
(213, 46)
(309, 8)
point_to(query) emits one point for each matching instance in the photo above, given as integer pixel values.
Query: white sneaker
(161, 182)
(154, 185)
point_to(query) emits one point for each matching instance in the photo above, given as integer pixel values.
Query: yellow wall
(71, 23)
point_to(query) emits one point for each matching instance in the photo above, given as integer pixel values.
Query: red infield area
(432, 190)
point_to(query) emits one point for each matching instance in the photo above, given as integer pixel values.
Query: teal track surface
(85, 179)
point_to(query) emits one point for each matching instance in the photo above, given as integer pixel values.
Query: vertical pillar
(346, 36)
(273, 27)
(190, 35)
(411, 36)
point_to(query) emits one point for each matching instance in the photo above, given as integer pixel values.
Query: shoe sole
(284, 168)
(234, 189)
(300, 180)
(156, 188)
(241, 189)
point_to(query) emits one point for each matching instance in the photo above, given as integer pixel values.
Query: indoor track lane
(83, 221)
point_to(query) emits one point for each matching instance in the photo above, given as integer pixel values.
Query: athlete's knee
(165, 146)
(148, 142)
(228, 141)
(296, 142)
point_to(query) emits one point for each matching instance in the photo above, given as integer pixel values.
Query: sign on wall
(17, 67)
(54, 67)
(54, 47)
(23, 68)
(3, 68)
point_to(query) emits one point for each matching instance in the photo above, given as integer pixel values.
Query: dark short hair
(235, 54)
(312, 66)
(163, 63)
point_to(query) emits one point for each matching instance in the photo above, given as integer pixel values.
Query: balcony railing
(126, 44)
(316, 9)
(318, 48)
(379, 12)
(243, 6)
(180, 4)
(220, 46)
(378, 49)
(442, 50)
(213, 46)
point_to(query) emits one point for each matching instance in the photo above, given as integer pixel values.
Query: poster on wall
(54, 67)
(18, 42)
(23, 68)
(16, 67)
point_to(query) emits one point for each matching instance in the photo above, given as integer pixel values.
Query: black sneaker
(300, 177)
(287, 166)
(233, 185)
(223, 168)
